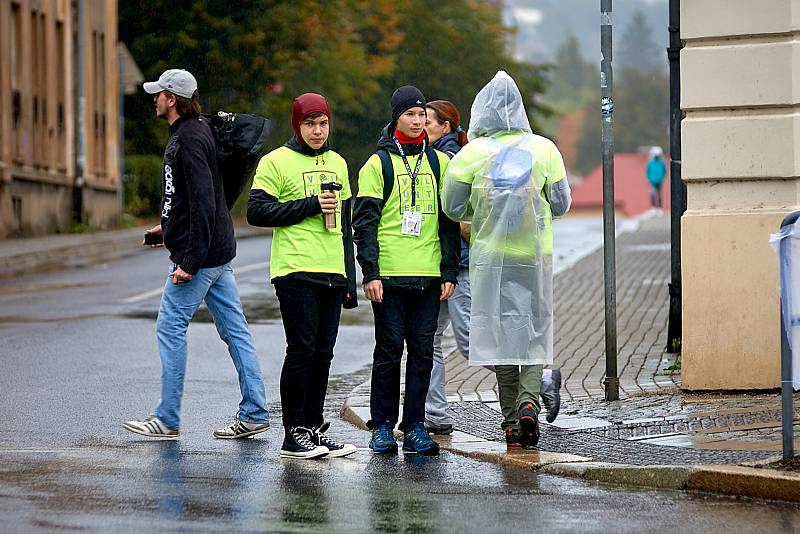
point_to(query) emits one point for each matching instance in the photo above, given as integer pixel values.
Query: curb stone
(735, 480)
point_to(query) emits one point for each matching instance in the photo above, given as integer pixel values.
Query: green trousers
(517, 385)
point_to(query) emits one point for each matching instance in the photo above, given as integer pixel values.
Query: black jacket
(264, 210)
(367, 214)
(447, 144)
(195, 221)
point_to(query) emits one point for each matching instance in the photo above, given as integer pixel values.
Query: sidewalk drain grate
(477, 419)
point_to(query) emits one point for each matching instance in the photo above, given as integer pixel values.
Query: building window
(99, 56)
(16, 79)
(16, 211)
(61, 95)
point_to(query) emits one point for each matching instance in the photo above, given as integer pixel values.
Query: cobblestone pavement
(652, 410)
(478, 419)
(643, 263)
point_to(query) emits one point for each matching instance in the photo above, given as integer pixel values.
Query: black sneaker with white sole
(298, 443)
(335, 448)
(152, 427)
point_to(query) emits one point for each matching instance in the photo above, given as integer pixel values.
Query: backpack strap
(388, 173)
(433, 161)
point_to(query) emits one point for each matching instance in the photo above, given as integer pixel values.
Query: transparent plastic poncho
(492, 184)
(786, 243)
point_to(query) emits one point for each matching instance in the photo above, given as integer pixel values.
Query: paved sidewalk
(643, 263)
(655, 435)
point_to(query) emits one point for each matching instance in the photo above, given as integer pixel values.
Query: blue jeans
(217, 287)
(455, 309)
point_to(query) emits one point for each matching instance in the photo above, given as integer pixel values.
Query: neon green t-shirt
(306, 246)
(405, 255)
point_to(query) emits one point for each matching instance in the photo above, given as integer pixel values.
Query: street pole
(609, 257)
(121, 142)
(785, 272)
(80, 133)
(677, 187)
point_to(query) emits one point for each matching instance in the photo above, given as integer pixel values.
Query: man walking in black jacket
(198, 232)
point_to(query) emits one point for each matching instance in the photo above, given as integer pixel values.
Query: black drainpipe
(677, 187)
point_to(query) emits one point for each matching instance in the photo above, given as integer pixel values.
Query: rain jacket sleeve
(556, 188)
(449, 235)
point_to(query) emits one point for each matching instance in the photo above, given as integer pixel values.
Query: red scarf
(405, 140)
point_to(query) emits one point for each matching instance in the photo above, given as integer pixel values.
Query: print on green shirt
(306, 246)
(311, 181)
(425, 200)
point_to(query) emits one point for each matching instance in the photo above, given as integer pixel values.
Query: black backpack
(241, 140)
(388, 170)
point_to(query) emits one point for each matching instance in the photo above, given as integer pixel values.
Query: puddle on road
(12, 319)
(257, 311)
(36, 288)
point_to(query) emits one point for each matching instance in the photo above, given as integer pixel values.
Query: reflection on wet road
(84, 360)
(128, 484)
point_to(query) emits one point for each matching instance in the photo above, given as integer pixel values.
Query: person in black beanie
(408, 252)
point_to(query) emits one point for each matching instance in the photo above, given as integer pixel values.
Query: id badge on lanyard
(412, 223)
(412, 220)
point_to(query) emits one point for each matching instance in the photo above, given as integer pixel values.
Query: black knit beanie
(404, 98)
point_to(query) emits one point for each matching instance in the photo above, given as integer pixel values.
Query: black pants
(310, 315)
(408, 315)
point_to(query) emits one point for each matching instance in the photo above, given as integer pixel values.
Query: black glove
(350, 300)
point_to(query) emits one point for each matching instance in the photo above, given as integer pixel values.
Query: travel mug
(330, 218)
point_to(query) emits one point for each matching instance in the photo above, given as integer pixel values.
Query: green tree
(641, 97)
(257, 55)
(573, 79)
(637, 49)
(641, 118)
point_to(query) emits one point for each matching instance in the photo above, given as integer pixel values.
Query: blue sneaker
(383, 438)
(417, 440)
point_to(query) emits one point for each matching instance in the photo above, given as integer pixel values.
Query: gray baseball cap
(176, 81)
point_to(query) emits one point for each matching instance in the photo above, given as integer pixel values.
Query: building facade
(52, 164)
(740, 91)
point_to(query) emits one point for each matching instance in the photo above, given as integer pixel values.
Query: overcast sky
(544, 24)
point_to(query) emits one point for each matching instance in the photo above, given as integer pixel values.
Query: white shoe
(335, 449)
(240, 429)
(152, 427)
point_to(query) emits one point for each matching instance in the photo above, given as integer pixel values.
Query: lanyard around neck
(412, 175)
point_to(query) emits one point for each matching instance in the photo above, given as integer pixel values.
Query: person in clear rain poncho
(510, 184)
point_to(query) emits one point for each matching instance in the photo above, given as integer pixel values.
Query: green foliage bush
(142, 185)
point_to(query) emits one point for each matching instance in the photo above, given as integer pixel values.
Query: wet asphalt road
(78, 357)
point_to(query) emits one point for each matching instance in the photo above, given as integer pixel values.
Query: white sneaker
(152, 427)
(336, 449)
(240, 429)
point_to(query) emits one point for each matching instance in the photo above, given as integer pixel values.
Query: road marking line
(154, 292)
